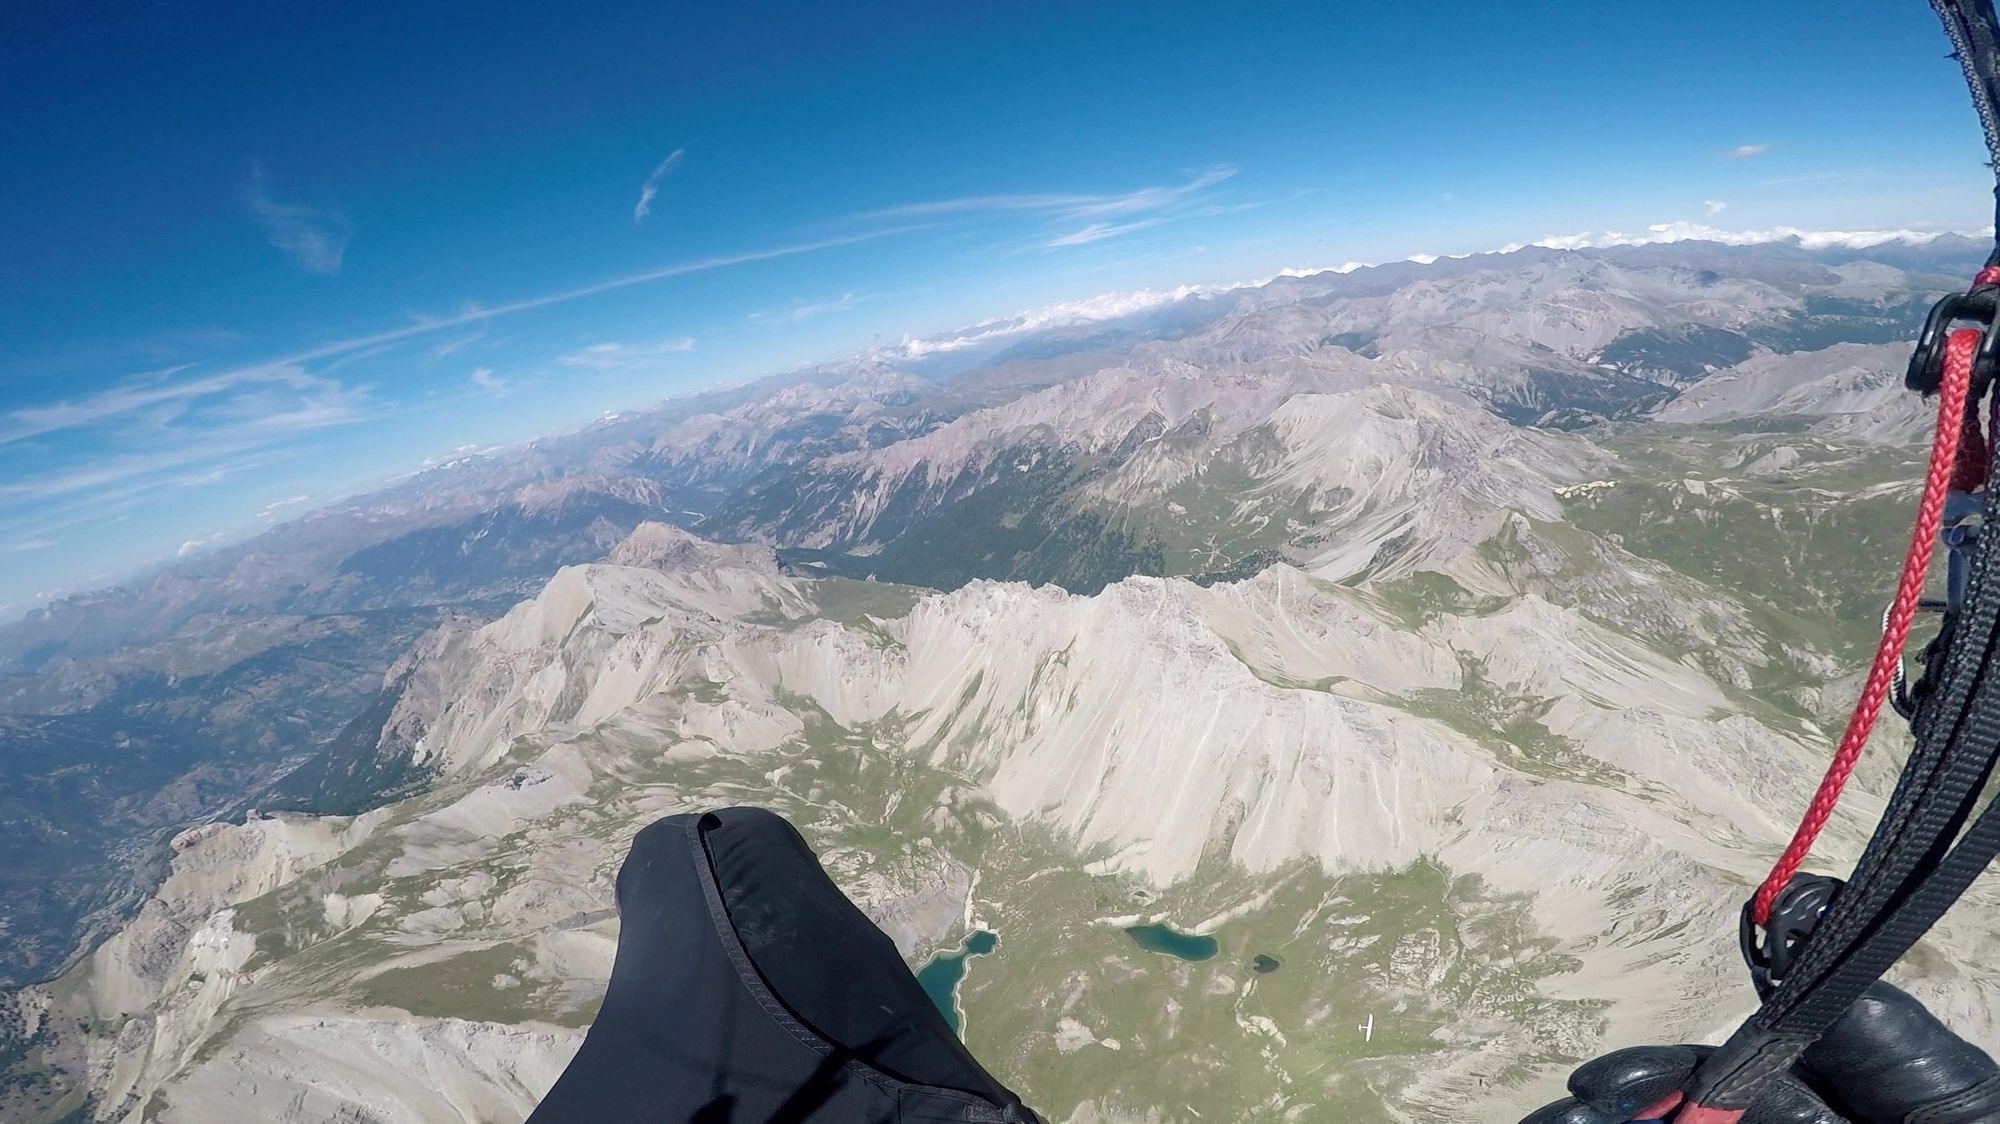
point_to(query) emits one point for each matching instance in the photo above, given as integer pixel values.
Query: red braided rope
(1958, 356)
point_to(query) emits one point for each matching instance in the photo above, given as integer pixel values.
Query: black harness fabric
(749, 990)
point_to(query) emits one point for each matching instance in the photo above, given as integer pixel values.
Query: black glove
(1887, 1061)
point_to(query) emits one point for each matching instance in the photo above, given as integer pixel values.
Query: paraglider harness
(1814, 943)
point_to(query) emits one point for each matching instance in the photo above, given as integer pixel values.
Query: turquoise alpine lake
(942, 973)
(1173, 942)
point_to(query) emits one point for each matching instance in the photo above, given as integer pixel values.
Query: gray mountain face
(1413, 626)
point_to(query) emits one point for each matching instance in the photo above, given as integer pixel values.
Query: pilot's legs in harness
(749, 990)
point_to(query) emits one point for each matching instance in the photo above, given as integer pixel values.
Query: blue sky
(254, 258)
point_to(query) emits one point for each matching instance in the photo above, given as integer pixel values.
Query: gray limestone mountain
(1853, 390)
(247, 670)
(1460, 635)
(1185, 472)
(1508, 830)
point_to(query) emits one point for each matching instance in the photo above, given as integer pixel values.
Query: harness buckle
(1977, 306)
(1794, 915)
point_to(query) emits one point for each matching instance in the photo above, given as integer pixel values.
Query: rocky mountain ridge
(1167, 743)
(1473, 624)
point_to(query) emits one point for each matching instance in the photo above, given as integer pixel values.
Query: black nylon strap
(1902, 927)
(1753, 1060)
(1937, 792)
(1916, 863)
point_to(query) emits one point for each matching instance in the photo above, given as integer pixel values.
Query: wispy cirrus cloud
(457, 344)
(1103, 215)
(625, 356)
(16, 523)
(651, 187)
(315, 238)
(153, 436)
(485, 379)
(115, 479)
(195, 544)
(95, 497)
(159, 387)
(273, 397)
(1746, 151)
(800, 312)
(479, 314)
(1099, 231)
(283, 404)
(275, 506)
(91, 458)
(1071, 205)
(1714, 206)
(1104, 306)
(178, 458)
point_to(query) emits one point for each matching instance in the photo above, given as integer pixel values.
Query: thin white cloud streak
(78, 509)
(807, 311)
(1066, 205)
(236, 427)
(452, 347)
(1101, 214)
(1714, 206)
(43, 523)
(183, 446)
(115, 470)
(29, 545)
(484, 379)
(276, 506)
(315, 238)
(135, 393)
(1746, 151)
(154, 390)
(1098, 232)
(976, 203)
(151, 388)
(304, 402)
(107, 507)
(1153, 198)
(361, 356)
(477, 314)
(1104, 306)
(619, 356)
(651, 187)
(192, 545)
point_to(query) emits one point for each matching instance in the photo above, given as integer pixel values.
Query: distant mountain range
(1405, 623)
